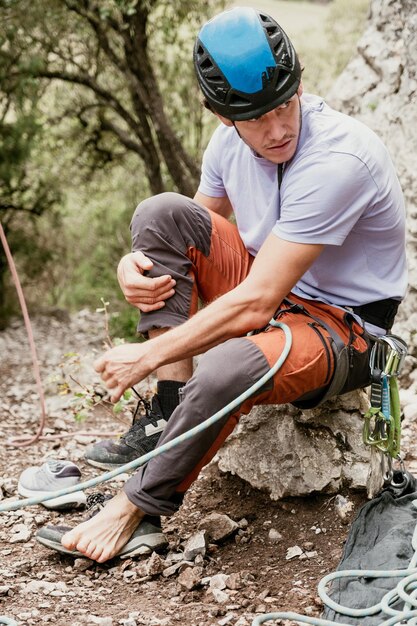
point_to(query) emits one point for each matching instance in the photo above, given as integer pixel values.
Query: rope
(29, 331)
(27, 440)
(226, 410)
(406, 590)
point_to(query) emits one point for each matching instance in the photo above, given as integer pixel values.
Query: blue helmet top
(245, 64)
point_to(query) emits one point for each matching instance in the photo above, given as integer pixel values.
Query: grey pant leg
(223, 373)
(164, 227)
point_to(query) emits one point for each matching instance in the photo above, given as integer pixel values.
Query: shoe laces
(95, 502)
(150, 413)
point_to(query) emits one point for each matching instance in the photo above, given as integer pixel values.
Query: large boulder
(289, 452)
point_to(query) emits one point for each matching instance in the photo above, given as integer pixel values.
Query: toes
(104, 556)
(69, 540)
(96, 553)
(85, 545)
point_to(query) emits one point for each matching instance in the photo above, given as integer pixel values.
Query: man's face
(274, 135)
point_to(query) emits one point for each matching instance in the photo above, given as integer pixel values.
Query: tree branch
(123, 137)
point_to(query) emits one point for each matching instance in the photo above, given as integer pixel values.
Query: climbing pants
(204, 253)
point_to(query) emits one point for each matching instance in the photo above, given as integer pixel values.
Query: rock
(21, 534)
(101, 621)
(196, 545)
(293, 552)
(234, 581)
(218, 526)
(172, 569)
(154, 565)
(220, 596)
(82, 564)
(190, 578)
(218, 581)
(274, 536)
(343, 507)
(44, 587)
(326, 448)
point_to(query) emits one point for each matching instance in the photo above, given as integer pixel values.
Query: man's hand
(124, 366)
(147, 294)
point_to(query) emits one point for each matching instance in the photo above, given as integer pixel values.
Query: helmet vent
(215, 80)
(238, 100)
(206, 64)
(271, 30)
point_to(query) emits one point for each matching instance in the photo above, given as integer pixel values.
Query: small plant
(86, 397)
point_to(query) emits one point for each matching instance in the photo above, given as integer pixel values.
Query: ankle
(168, 396)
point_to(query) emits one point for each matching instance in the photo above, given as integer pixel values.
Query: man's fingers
(155, 284)
(146, 308)
(99, 364)
(148, 297)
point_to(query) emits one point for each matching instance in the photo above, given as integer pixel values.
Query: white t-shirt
(340, 189)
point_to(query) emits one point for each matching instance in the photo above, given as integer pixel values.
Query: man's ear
(224, 120)
(300, 89)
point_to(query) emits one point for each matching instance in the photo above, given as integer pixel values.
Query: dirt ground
(39, 586)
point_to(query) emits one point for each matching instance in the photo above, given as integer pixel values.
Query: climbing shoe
(148, 536)
(53, 475)
(142, 437)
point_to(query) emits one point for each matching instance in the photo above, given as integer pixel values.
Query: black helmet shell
(245, 64)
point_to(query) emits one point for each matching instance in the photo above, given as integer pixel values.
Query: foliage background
(68, 188)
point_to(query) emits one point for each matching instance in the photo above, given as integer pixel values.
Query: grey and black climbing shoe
(142, 437)
(148, 536)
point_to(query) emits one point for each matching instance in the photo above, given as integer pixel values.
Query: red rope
(27, 440)
(35, 362)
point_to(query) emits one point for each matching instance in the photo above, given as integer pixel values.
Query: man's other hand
(143, 292)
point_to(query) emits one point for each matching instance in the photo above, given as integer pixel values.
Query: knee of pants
(222, 373)
(158, 211)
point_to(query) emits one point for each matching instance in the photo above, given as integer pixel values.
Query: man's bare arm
(277, 267)
(221, 206)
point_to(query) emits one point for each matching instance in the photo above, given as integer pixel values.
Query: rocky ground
(233, 553)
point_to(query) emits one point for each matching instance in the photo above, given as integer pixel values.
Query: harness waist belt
(380, 313)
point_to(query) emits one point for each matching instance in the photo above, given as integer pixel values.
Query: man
(319, 245)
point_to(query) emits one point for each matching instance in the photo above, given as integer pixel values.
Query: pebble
(21, 534)
(218, 581)
(218, 526)
(219, 595)
(293, 552)
(343, 506)
(190, 577)
(101, 621)
(274, 536)
(196, 545)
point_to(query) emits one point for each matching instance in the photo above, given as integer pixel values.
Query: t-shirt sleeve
(324, 198)
(211, 181)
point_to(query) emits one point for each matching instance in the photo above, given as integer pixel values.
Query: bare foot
(102, 537)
